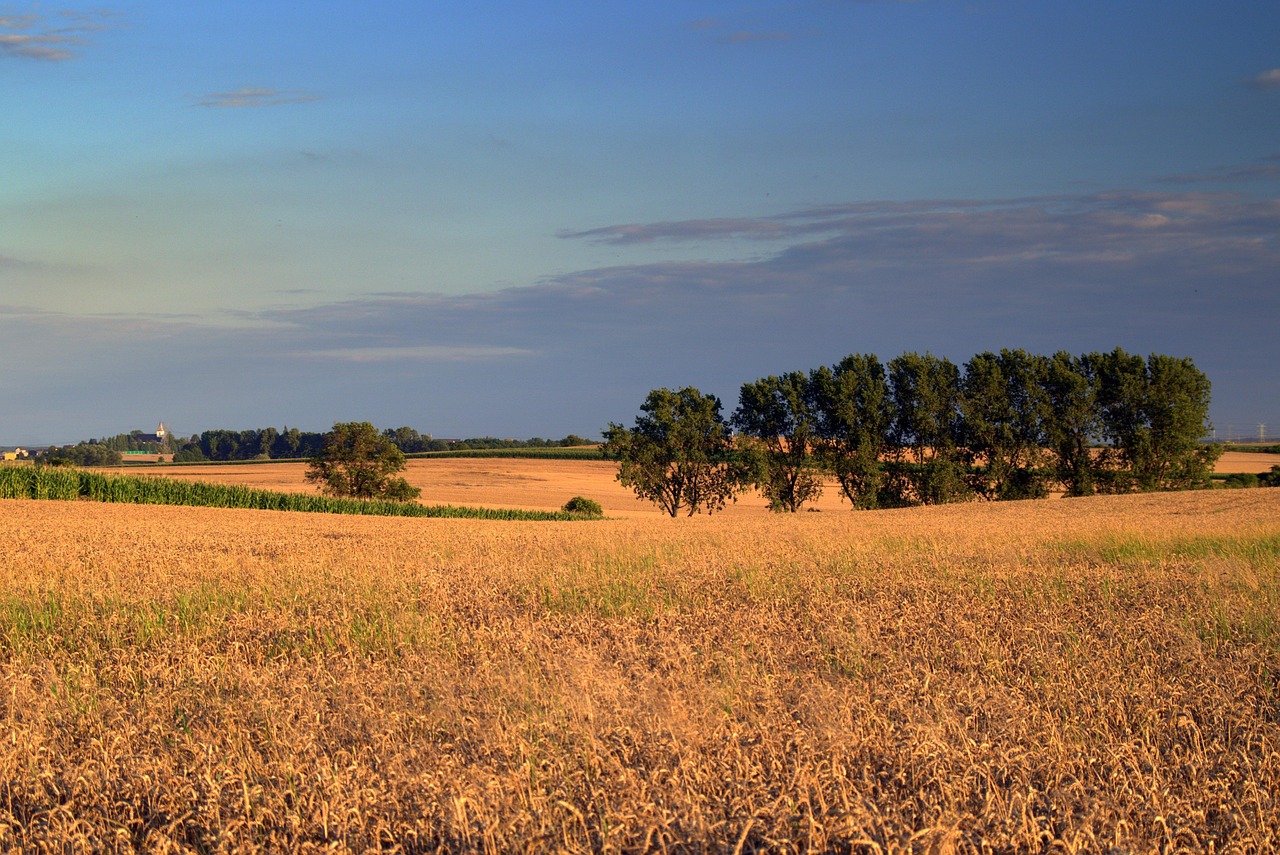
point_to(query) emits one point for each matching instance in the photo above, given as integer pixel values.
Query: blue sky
(518, 218)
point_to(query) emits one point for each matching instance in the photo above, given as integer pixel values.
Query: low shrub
(583, 507)
(1238, 480)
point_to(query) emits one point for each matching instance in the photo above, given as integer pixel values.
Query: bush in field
(358, 462)
(584, 507)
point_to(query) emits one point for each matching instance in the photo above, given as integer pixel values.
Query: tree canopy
(679, 455)
(357, 461)
(777, 413)
(922, 430)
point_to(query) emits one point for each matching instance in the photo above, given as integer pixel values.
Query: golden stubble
(1068, 675)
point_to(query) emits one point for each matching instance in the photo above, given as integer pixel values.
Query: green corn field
(44, 482)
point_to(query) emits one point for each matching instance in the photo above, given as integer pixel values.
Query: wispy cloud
(1105, 262)
(900, 236)
(51, 37)
(417, 353)
(1269, 79)
(742, 37)
(739, 36)
(1269, 167)
(1183, 273)
(640, 233)
(255, 97)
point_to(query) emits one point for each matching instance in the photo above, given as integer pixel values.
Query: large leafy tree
(680, 454)
(1153, 414)
(357, 461)
(925, 391)
(854, 416)
(778, 415)
(1177, 414)
(1003, 404)
(1070, 423)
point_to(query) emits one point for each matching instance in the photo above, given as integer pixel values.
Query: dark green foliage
(1070, 423)
(85, 454)
(1011, 425)
(358, 462)
(1270, 479)
(490, 442)
(1237, 480)
(1152, 416)
(258, 444)
(189, 454)
(1003, 406)
(777, 414)
(583, 507)
(855, 417)
(925, 392)
(680, 454)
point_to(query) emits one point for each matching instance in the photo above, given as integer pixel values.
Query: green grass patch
(1259, 550)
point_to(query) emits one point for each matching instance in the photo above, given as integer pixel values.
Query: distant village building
(161, 435)
(16, 454)
(160, 438)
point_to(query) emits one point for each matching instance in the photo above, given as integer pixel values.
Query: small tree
(358, 462)
(679, 454)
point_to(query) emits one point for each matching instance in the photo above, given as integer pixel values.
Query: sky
(516, 219)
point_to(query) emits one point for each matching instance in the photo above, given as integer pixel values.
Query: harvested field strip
(1080, 675)
(40, 482)
(569, 453)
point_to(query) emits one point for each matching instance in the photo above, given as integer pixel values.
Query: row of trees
(292, 443)
(275, 444)
(107, 451)
(922, 430)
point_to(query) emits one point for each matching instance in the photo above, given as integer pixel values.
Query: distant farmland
(541, 484)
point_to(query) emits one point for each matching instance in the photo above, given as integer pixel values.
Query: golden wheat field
(1082, 675)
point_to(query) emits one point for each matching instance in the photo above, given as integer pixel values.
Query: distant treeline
(271, 444)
